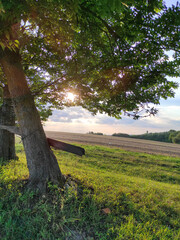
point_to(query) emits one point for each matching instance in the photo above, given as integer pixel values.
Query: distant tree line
(121, 135)
(171, 136)
(97, 133)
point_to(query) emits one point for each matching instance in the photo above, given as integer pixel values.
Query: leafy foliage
(176, 138)
(120, 135)
(112, 56)
(95, 133)
(170, 136)
(161, 136)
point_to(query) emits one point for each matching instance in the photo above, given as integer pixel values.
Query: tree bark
(7, 117)
(42, 163)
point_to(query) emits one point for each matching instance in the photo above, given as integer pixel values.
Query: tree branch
(109, 28)
(48, 84)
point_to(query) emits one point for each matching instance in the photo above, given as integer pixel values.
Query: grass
(142, 191)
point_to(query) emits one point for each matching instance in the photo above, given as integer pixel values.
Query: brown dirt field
(136, 145)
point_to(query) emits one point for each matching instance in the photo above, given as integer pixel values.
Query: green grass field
(142, 192)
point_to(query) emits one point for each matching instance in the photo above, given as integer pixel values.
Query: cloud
(66, 115)
(77, 119)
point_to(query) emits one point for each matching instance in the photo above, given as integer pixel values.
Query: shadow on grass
(73, 213)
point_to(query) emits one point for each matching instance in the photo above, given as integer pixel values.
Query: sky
(79, 120)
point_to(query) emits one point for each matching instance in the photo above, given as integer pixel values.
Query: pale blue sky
(79, 120)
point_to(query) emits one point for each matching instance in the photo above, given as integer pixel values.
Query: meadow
(110, 194)
(130, 144)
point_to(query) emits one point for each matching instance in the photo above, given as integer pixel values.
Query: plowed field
(137, 145)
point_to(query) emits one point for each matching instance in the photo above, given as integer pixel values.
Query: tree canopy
(114, 57)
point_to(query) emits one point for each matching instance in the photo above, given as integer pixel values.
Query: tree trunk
(42, 163)
(7, 117)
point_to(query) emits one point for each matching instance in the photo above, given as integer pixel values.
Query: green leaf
(2, 45)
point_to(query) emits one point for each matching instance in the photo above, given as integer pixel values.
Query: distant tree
(161, 136)
(98, 133)
(176, 139)
(120, 135)
(174, 136)
(91, 132)
(112, 54)
(95, 133)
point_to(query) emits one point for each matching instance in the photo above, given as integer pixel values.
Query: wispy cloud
(77, 119)
(80, 120)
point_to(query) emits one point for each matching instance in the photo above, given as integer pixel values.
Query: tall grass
(142, 192)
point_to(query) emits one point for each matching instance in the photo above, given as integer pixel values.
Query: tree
(174, 136)
(112, 56)
(7, 117)
(121, 135)
(176, 139)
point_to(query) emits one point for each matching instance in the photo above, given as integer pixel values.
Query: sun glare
(70, 96)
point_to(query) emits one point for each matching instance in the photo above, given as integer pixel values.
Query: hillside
(110, 194)
(131, 144)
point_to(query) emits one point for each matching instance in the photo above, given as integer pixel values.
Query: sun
(70, 96)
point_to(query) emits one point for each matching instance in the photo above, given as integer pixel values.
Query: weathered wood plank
(66, 147)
